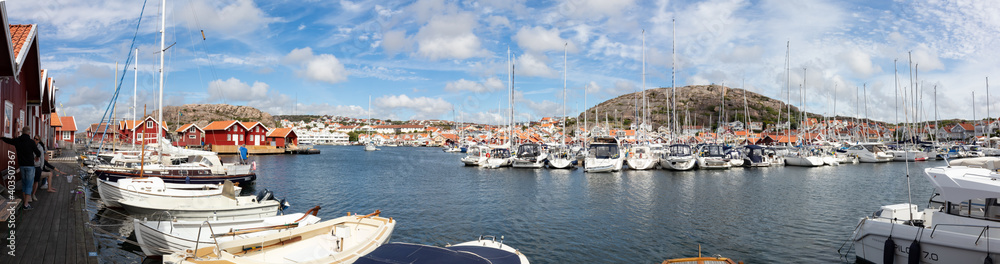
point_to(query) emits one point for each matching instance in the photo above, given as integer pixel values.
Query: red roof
(68, 124)
(54, 120)
(968, 127)
(249, 125)
(221, 125)
(185, 127)
(280, 132)
(19, 35)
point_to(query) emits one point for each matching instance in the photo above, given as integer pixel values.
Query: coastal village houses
(189, 135)
(65, 128)
(282, 137)
(225, 133)
(256, 133)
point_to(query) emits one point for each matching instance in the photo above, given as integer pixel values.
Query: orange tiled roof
(221, 125)
(68, 123)
(249, 125)
(54, 120)
(280, 132)
(19, 34)
(185, 127)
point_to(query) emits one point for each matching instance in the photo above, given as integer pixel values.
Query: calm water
(769, 215)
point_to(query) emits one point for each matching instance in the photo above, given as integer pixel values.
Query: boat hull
(157, 238)
(942, 247)
(114, 176)
(153, 209)
(810, 161)
(678, 163)
(641, 163)
(559, 163)
(112, 192)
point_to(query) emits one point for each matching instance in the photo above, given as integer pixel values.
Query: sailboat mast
(673, 86)
(643, 123)
(135, 89)
(163, 49)
(788, 94)
(565, 72)
(865, 86)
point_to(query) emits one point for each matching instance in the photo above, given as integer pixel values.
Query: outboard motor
(263, 195)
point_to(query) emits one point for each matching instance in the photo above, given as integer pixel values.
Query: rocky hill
(696, 105)
(203, 114)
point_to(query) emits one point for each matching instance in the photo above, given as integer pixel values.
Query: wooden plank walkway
(56, 231)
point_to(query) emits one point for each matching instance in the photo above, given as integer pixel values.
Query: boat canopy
(529, 150)
(680, 150)
(604, 151)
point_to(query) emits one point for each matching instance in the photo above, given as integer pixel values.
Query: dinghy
(157, 238)
(228, 206)
(340, 240)
(143, 187)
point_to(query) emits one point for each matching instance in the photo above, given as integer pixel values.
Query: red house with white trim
(66, 132)
(224, 133)
(145, 131)
(256, 134)
(189, 135)
(282, 137)
(24, 83)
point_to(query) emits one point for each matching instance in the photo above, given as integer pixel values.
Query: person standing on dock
(27, 152)
(43, 170)
(243, 154)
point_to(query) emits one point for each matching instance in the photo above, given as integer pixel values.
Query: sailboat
(559, 156)
(201, 169)
(370, 144)
(640, 157)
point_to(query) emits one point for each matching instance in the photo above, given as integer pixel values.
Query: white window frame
(149, 124)
(67, 135)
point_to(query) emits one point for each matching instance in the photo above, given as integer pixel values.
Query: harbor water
(759, 215)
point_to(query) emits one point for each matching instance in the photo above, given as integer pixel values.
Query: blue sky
(427, 59)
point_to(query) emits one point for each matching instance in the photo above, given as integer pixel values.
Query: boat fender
(914, 254)
(988, 260)
(889, 251)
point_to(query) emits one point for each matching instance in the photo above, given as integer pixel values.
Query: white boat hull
(713, 163)
(201, 209)
(157, 238)
(809, 161)
(111, 192)
(560, 163)
(943, 247)
(678, 163)
(602, 165)
(641, 163)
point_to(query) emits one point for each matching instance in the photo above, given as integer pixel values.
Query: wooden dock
(56, 231)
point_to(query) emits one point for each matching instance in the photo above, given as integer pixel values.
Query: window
(229, 137)
(149, 124)
(241, 137)
(67, 135)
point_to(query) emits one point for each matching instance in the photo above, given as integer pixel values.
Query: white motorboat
(228, 206)
(370, 146)
(485, 250)
(206, 169)
(141, 188)
(530, 156)
(604, 155)
(475, 155)
(954, 228)
(157, 238)
(870, 152)
(640, 157)
(340, 240)
(713, 157)
(496, 158)
(756, 157)
(561, 157)
(735, 157)
(804, 158)
(678, 157)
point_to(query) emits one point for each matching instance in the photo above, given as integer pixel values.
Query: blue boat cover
(399, 253)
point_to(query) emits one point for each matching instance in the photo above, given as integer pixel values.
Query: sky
(439, 59)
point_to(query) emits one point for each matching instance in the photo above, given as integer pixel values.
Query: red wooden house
(102, 131)
(256, 133)
(189, 135)
(282, 137)
(23, 81)
(144, 132)
(66, 129)
(225, 133)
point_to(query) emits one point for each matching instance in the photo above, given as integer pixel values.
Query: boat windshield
(988, 208)
(756, 152)
(875, 148)
(473, 152)
(500, 153)
(528, 150)
(713, 151)
(604, 151)
(680, 150)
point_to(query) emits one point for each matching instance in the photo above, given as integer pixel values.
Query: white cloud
(529, 65)
(591, 9)
(497, 22)
(235, 90)
(860, 63)
(395, 41)
(351, 7)
(539, 39)
(323, 67)
(421, 107)
(234, 19)
(489, 85)
(449, 37)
